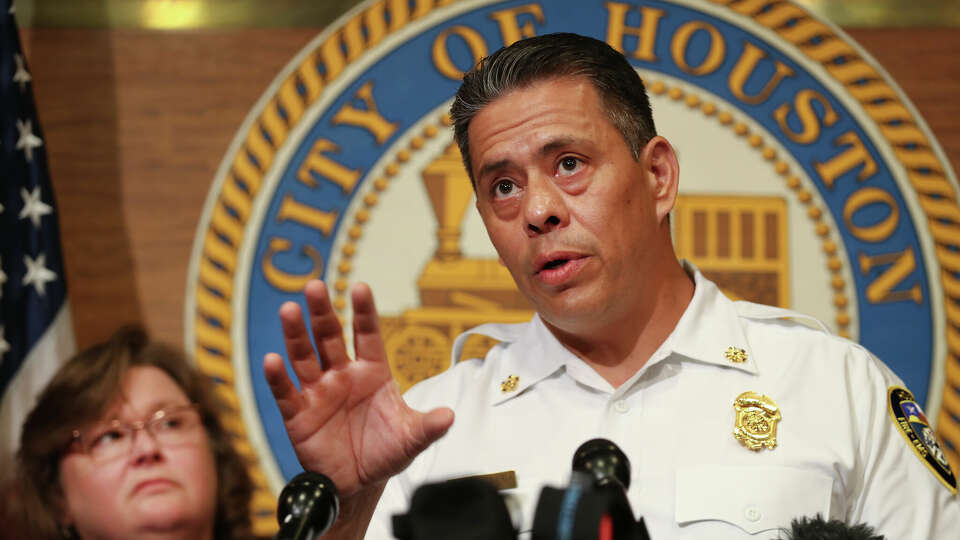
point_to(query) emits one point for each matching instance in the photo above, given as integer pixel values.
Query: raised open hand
(348, 420)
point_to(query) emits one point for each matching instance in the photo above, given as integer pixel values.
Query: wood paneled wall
(136, 123)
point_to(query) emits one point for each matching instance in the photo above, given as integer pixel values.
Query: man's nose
(544, 207)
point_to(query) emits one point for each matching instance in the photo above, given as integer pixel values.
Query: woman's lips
(152, 485)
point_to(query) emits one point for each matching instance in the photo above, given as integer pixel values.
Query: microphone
(307, 507)
(461, 509)
(605, 463)
(594, 505)
(817, 528)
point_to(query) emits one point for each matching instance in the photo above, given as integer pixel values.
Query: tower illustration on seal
(456, 292)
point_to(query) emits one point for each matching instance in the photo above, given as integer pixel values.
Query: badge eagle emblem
(756, 422)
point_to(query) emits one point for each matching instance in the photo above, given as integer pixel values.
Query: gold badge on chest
(756, 422)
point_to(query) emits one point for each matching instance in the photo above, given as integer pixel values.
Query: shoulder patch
(912, 423)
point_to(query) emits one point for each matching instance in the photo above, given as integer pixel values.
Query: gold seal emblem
(756, 423)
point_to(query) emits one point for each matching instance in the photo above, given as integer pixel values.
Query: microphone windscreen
(605, 461)
(578, 514)
(307, 507)
(817, 528)
(462, 509)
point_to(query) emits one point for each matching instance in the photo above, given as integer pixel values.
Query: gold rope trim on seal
(370, 200)
(926, 172)
(217, 265)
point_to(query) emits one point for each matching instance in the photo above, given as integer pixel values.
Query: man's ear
(662, 169)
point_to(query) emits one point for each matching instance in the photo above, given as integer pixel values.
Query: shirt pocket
(755, 499)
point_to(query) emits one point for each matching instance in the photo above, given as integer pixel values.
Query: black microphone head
(461, 509)
(818, 528)
(308, 500)
(603, 460)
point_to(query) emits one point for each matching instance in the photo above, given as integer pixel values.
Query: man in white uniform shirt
(736, 420)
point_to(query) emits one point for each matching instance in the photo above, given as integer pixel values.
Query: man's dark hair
(553, 56)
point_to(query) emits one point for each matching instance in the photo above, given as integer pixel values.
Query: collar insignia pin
(735, 355)
(756, 423)
(509, 384)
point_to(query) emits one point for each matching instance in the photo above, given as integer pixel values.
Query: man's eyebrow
(558, 143)
(551, 146)
(498, 165)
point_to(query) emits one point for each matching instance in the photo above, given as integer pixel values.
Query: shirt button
(621, 406)
(752, 513)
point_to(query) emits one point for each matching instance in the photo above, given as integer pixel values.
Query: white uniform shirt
(839, 452)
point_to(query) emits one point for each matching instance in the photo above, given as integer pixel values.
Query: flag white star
(38, 274)
(21, 76)
(27, 141)
(33, 207)
(4, 346)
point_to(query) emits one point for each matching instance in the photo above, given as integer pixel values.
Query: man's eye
(503, 188)
(569, 165)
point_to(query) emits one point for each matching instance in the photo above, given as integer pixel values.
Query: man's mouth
(556, 268)
(554, 264)
(557, 259)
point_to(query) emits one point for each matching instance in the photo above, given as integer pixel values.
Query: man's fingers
(433, 425)
(428, 427)
(436, 423)
(299, 348)
(367, 340)
(325, 325)
(284, 392)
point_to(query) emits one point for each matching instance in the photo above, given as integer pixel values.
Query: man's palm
(348, 420)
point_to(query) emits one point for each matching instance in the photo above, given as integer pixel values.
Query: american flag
(36, 332)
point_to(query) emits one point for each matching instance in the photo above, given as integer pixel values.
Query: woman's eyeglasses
(169, 427)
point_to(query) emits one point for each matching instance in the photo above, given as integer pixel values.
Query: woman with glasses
(124, 442)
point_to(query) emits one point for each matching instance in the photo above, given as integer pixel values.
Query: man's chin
(571, 311)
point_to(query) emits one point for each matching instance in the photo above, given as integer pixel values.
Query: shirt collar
(533, 355)
(709, 331)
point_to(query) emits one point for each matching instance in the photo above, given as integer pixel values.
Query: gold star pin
(736, 355)
(509, 384)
